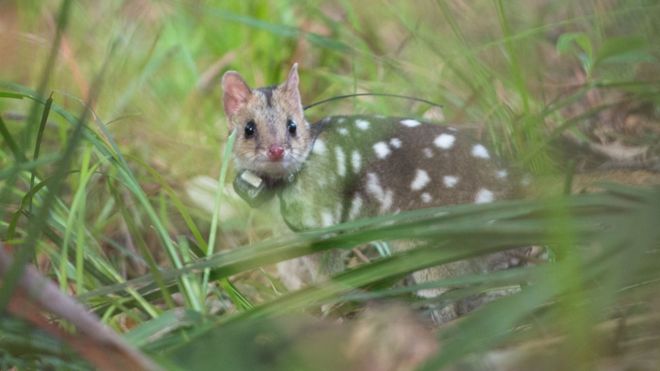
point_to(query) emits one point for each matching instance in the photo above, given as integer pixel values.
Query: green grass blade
(61, 25)
(20, 166)
(37, 145)
(11, 143)
(216, 206)
(467, 223)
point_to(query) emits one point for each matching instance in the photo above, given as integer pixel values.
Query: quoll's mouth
(274, 168)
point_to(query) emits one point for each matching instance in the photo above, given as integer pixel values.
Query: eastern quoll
(348, 167)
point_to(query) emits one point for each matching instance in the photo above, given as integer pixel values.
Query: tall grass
(117, 110)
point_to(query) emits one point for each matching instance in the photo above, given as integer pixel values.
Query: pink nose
(275, 152)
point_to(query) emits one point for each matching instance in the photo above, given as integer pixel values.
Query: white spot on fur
(341, 120)
(382, 150)
(326, 218)
(356, 206)
(483, 196)
(501, 174)
(343, 131)
(444, 141)
(356, 161)
(480, 151)
(340, 157)
(308, 218)
(426, 197)
(449, 181)
(430, 293)
(395, 142)
(319, 147)
(410, 123)
(420, 181)
(362, 124)
(374, 188)
(428, 152)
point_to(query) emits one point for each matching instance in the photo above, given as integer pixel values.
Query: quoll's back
(363, 166)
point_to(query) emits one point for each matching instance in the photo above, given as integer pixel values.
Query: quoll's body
(362, 166)
(348, 167)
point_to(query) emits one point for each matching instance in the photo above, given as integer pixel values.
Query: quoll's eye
(250, 129)
(291, 126)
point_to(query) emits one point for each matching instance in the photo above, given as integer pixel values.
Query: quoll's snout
(275, 152)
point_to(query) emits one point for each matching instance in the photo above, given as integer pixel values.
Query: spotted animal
(343, 168)
(361, 166)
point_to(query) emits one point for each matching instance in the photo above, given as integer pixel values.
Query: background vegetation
(113, 137)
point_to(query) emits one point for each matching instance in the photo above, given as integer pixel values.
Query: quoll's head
(273, 138)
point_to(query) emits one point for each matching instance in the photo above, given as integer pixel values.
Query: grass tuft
(98, 186)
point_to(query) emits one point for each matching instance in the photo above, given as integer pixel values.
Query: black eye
(291, 126)
(250, 128)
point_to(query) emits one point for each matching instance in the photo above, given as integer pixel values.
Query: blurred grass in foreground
(107, 198)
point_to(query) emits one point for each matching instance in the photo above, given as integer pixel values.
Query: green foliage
(585, 52)
(106, 120)
(615, 50)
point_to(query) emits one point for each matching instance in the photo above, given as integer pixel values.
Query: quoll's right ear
(236, 94)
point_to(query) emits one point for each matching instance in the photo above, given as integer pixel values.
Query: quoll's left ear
(236, 94)
(290, 86)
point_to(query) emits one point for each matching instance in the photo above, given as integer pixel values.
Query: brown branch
(94, 341)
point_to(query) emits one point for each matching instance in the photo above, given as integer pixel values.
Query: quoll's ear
(290, 86)
(236, 94)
